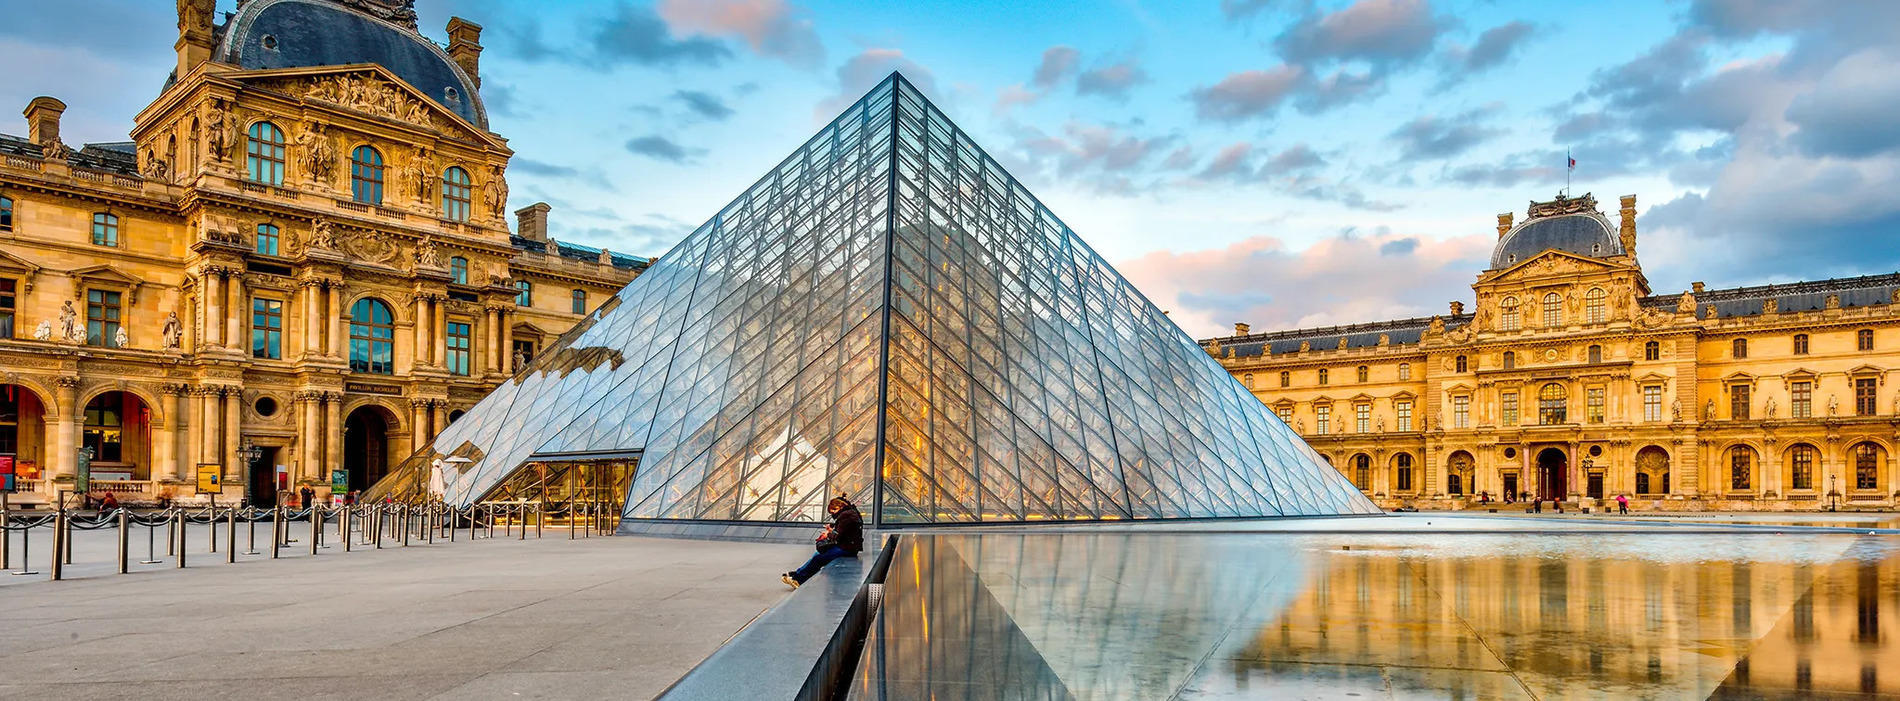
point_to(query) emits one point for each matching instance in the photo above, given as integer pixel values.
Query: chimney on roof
(1241, 329)
(532, 221)
(195, 35)
(465, 46)
(1627, 233)
(1696, 286)
(1504, 223)
(42, 120)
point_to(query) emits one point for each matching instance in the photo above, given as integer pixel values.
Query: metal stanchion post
(211, 523)
(171, 534)
(522, 530)
(491, 522)
(26, 551)
(378, 514)
(573, 523)
(407, 513)
(180, 521)
(343, 526)
(276, 530)
(428, 522)
(59, 544)
(125, 542)
(151, 548)
(230, 535)
(250, 542)
(540, 519)
(316, 527)
(6, 538)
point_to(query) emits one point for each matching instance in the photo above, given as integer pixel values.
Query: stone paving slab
(619, 617)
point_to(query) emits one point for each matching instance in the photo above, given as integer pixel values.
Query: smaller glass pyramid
(890, 316)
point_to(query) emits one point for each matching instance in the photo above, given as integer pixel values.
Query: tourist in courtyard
(1623, 504)
(843, 537)
(308, 496)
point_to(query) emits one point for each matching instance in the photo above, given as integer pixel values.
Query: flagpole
(1570, 166)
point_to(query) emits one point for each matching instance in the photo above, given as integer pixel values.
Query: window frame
(458, 270)
(266, 233)
(264, 153)
(366, 176)
(367, 336)
(1594, 353)
(1286, 378)
(1652, 403)
(1508, 409)
(1594, 303)
(1652, 350)
(1509, 318)
(1322, 376)
(1362, 417)
(1402, 473)
(524, 293)
(1403, 410)
(1553, 404)
(458, 195)
(264, 331)
(6, 213)
(1740, 401)
(1741, 469)
(1462, 364)
(1801, 344)
(105, 229)
(459, 346)
(1553, 310)
(1867, 456)
(94, 434)
(1801, 399)
(1738, 349)
(1864, 340)
(1801, 467)
(1322, 418)
(104, 318)
(1510, 360)
(1866, 396)
(578, 299)
(1461, 411)
(1405, 372)
(1595, 403)
(9, 306)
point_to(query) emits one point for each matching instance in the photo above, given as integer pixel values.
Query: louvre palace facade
(1571, 380)
(298, 262)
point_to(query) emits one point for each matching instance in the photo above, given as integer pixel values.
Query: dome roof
(1582, 233)
(304, 33)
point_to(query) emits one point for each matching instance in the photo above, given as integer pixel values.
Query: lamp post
(250, 453)
(1833, 493)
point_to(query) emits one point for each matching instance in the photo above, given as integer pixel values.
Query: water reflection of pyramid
(890, 315)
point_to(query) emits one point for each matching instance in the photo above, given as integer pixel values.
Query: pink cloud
(771, 27)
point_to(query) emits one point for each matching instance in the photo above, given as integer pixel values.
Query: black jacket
(848, 526)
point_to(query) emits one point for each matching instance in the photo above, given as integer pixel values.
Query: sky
(1284, 163)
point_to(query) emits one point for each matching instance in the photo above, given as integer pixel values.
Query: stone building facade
(1570, 380)
(299, 262)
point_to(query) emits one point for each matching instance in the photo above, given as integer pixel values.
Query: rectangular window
(1323, 419)
(1738, 402)
(458, 337)
(1740, 464)
(1593, 405)
(580, 307)
(1801, 344)
(1405, 414)
(1461, 411)
(1801, 400)
(267, 328)
(1285, 413)
(266, 242)
(9, 304)
(524, 293)
(1652, 403)
(1361, 418)
(1801, 468)
(1864, 389)
(1509, 400)
(1864, 339)
(102, 318)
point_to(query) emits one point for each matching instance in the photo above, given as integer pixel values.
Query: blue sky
(1279, 162)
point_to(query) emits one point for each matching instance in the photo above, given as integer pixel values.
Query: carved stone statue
(495, 192)
(155, 167)
(322, 235)
(1675, 409)
(1769, 410)
(1299, 426)
(521, 360)
(427, 256)
(1833, 405)
(419, 173)
(1686, 304)
(1708, 411)
(1437, 326)
(319, 155)
(606, 257)
(1379, 426)
(43, 332)
(69, 324)
(122, 339)
(554, 247)
(1457, 308)
(194, 14)
(172, 330)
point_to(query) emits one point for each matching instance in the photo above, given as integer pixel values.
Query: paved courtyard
(618, 617)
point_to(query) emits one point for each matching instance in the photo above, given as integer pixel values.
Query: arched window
(372, 337)
(1363, 372)
(1864, 339)
(1552, 404)
(1739, 348)
(458, 270)
(1362, 471)
(105, 229)
(1508, 319)
(457, 191)
(1652, 351)
(266, 241)
(366, 175)
(1458, 473)
(1461, 363)
(1801, 344)
(1402, 472)
(1405, 371)
(1593, 300)
(1741, 468)
(264, 154)
(1286, 379)
(1510, 360)
(6, 214)
(1322, 376)
(1867, 466)
(1247, 380)
(1596, 353)
(1801, 467)
(1553, 310)
(580, 307)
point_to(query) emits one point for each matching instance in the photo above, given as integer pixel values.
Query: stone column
(234, 321)
(335, 316)
(211, 414)
(438, 418)
(213, 307)
(420, 354)
(164, 439)
(312, 317)
(507, 361)
(332, 430)
(310, 442)
(181, 435)
(439, 332)
(63, 451)
(418, 423)
(233, 464)
(491, 337)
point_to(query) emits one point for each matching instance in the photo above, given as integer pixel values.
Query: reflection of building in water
(1569, 379)
(1571, 626)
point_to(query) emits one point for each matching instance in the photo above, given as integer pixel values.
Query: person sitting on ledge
(843, 537)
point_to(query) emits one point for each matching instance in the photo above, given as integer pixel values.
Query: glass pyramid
(891, 316)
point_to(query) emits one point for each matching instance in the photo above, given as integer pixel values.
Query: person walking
(843, 537)
(1623, 504)
(307, 496)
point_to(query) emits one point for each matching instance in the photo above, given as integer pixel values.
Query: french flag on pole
(1573, 161)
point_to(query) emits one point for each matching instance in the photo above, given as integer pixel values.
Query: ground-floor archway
(23, 434)
(1652, 470)
(261, 484)
(366, 445)
(117, 428)
(1552, 473)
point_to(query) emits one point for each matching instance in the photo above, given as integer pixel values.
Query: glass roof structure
(890, 316)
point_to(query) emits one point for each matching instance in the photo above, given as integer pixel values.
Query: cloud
(1232, 162)
(661, 148)
(771, 28)
(1374, 31)
(633, 34)
(1113, 80)
(1087, 149)
(1292, 160)
(703, 104)
(1246, 94)
(1057, 63)
(860, 72)
(1850, 111)
(1346, 278)
(1430, 137)
(1494, 47)
(522, 164)
(1242, 9)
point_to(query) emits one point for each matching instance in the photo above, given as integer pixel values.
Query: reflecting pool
(1158, 614)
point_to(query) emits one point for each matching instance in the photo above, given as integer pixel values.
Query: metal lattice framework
(889, 315)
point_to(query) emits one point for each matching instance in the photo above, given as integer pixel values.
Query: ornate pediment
(104, 276)
(366, 89)
(15, 266)
(1551, 262)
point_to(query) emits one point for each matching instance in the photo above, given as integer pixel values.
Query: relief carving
(373, 247)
